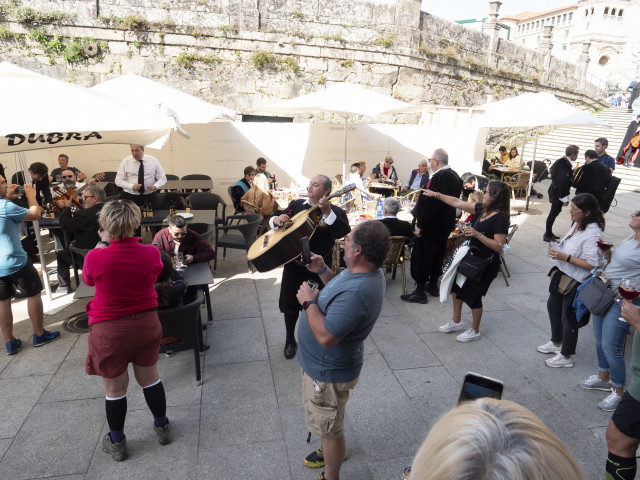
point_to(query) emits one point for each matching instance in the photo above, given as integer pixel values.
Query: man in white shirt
(356, 178)
(139, 176)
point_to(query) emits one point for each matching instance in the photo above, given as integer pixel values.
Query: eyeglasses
(636, 213)
(485, 191)
(67, 176)
(88, 196)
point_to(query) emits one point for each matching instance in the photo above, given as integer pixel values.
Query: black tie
(141, 178)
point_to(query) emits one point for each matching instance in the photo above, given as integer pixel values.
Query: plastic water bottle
(379, 209)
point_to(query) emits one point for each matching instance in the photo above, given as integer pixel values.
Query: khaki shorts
(324, 409)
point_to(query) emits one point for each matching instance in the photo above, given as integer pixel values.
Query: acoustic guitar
(73, 193)
(282, 245)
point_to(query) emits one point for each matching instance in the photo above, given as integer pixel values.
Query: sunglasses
(636, 213)
(67, 176)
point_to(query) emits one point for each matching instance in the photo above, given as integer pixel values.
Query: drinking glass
(313, 284)
(552, 246)
(628, 289)
(605, 243)
(179, 261)
(58, 178)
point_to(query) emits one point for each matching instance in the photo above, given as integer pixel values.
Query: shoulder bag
(562, 282)
(597, 296)
(474, 264)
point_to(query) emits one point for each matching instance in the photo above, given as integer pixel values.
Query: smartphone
(20, 190)
(306, 250)
(477, 386)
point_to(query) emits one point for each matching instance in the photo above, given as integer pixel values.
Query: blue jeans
(610, 333)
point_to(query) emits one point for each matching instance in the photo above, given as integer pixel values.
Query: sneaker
(468, 336)
(549, 347)
(559, 361)
(610, 403)
(316, 459)
(321, 476)
(117, 450)
(548, 238)
(62, 289)
(594, 383)
(451, 326)
(13, 346)
(164, 433)
(46, 337)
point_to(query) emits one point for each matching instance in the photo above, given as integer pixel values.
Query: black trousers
(556, 208)
(426, 260)
(64, 261)
(564, 324)
(139, 199)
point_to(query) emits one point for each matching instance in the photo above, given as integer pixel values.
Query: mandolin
(281, 245)
(72, 193)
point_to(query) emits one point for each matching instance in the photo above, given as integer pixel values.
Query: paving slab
(18, 397)
(237, 340)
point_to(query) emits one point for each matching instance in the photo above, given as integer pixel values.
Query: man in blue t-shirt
(332, 329)
(16, 270)
(600, 146)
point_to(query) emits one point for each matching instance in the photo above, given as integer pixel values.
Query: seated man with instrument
(63, 161)
(178, 238)
(82, 226)
(333, 225)
(68, 186)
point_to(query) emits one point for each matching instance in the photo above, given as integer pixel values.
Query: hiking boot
(13, 346)
(164, 433)
(469, 336)
(594, 383)
(549, 347)
(452, 326)
(46, 337)
(117, 450)
(610, 403)
(559, 361)
(316, 459)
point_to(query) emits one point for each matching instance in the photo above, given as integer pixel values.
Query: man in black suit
(593, 177)
(396, 227)
(81, 226)
(434, 223)
(333, 225)
(561, 174)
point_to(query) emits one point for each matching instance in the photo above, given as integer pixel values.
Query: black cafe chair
(196, 176)
(247, 229)
(209, 201)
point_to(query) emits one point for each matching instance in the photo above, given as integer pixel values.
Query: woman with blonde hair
(123, 321)
(493, 439)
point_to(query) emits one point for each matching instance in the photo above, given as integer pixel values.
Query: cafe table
(384, 189)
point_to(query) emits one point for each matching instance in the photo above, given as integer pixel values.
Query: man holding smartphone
(17, 271)
(334, 324)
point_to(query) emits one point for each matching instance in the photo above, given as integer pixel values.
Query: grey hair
(392, 205)
(496, 439)
(441, 155)
(97, 192)
(120, 218)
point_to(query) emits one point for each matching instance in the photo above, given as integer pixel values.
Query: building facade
(607, 27)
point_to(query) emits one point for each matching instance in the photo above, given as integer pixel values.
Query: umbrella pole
(344, 157)
(36, 229)
(533, 169)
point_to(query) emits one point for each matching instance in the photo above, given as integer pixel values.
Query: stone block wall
(248, 53)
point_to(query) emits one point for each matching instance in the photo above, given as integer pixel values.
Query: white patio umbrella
(344, 99)
(532, 110)
(41, 112)
(133, 89)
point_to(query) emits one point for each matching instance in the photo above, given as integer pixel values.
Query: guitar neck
(82, 188)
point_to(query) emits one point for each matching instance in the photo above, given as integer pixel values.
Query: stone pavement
(245, 420)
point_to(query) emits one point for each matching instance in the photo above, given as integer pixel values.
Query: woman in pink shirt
(123, 320)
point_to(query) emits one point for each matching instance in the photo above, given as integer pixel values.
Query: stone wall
(248, 53)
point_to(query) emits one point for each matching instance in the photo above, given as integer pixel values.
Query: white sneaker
(452, 326)
(610, 403)
(549, 347)
(559, 361)
(594, 383)
(468, 336)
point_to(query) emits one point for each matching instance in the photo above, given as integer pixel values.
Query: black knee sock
(116, 413)
(157, 402)
(620, 468)
(290, 320)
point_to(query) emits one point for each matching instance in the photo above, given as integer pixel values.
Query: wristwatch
(305, 305)
(104, 242)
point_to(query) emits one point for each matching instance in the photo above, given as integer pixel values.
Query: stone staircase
(552, 144)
